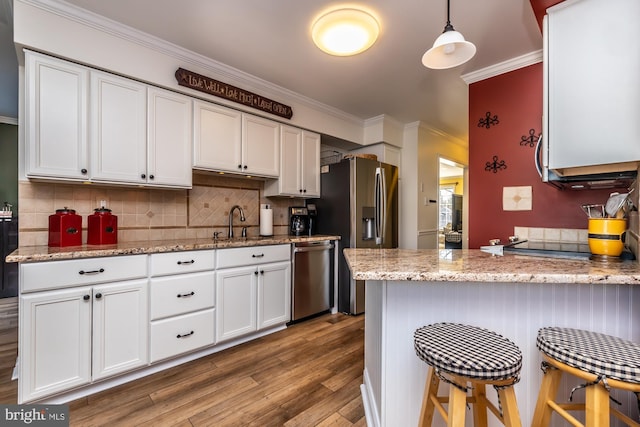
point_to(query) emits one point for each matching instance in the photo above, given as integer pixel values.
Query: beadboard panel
(516, 311)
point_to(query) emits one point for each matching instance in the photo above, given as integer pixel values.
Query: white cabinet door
(290, 181)
(236, 296)
(274, 294)
(120, 325)
(56, 118)
(260, 146)
(169, 138)
(299, 165)
(217, 141)
(118, 129)
(310, 164)
(593, 91)
(55, 342)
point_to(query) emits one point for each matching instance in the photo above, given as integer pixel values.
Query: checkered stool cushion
(468, 351)
(598, 354)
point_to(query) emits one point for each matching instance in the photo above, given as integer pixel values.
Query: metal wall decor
(487, 121)
(495, 165)
(531, 139)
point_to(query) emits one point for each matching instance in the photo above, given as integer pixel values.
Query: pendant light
(449, 50)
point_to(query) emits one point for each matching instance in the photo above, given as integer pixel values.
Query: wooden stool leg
(457, 404)
(510, 413)
(430, 392)
(480, 405)
(548, 391)
(597, 406)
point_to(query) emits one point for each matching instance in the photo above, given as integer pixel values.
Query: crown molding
(422, 126)
(233, 75)
(503, 67)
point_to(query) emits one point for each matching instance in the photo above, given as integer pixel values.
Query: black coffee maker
(313, 219)
(298, 221)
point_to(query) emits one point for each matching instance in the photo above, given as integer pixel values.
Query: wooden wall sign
(214, 87)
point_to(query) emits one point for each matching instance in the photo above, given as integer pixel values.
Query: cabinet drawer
(236, 257)
(170, 337)
(181, 294)
(62, 274)
(182, 262)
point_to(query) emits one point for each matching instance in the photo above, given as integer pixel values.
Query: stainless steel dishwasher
(312, 284)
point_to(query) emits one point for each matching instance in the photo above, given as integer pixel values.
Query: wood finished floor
(306, 375)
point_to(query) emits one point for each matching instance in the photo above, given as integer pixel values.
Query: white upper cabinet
(226, 140)
(56, 118)
(260, 146)
(169, 138)
(89, 125)
(310, 164)
(118, 129)
(593, 90)
(299, 164)
(217, 140)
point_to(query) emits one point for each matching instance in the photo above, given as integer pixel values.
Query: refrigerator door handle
(380, 205)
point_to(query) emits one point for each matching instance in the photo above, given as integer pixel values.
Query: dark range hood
(593, 181)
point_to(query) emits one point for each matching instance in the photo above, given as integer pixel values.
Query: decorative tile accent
(210, 206)
(516, 198)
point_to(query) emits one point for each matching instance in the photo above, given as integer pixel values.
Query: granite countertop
(473, 265)
(45, 253)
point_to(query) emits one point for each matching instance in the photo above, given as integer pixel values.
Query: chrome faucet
(242, 218)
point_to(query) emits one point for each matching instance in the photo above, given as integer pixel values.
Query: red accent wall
(516, 98)
(540, 8)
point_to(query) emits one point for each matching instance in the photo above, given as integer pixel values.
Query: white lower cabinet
(253, 296)
(71, 337)
(182, 301)
(86, 320)
(180, 334)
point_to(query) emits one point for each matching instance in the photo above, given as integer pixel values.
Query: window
(446, 206)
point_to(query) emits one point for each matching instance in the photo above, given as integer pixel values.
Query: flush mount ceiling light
(345, 32)
(449, 50)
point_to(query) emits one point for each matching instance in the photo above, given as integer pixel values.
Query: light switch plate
(517, 198)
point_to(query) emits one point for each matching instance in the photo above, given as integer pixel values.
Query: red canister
(65, 228)
(102, 227)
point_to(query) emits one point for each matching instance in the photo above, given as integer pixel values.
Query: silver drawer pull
(190, 294)
(186, 262)
(257, 256)
(91, 272)
(184, 335)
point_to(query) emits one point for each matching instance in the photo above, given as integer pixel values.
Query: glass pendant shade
(450, 48)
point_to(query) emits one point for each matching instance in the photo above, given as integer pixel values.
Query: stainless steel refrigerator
(359, 202)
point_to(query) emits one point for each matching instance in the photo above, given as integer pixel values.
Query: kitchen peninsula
(514, 295)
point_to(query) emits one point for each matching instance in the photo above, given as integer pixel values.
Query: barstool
(601, 360)
(468, 358)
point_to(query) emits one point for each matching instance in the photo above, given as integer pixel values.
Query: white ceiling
(270, 39)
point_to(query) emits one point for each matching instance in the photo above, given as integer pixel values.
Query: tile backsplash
(566, 239)
(152, 214)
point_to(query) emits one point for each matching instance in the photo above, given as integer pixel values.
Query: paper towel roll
(266, 222)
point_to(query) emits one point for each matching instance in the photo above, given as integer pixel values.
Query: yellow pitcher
(606, 236)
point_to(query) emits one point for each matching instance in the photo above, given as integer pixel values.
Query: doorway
(451, 204)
